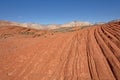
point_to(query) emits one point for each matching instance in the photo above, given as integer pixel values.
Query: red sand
(89, 54)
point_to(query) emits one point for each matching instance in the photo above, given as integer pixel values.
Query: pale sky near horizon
(59, 11)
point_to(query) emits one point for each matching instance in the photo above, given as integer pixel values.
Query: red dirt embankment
(89, 54)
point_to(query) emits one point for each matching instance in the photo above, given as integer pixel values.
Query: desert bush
(62, 29)
(27, 33)
(37, 35)
(84, 27)
(45, 36)
(52, 34)
(5, 35)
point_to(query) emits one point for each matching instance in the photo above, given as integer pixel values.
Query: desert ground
(91, 53)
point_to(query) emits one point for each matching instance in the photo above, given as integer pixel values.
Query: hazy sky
(59, 11)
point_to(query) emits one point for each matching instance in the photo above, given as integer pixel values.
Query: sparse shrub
(6, 36)
(37, 35)
(62, 29)
(45, 36)
(52, 34)
(82, 27)
(27, 33)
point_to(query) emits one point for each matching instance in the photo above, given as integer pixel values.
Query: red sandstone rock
(88, 54)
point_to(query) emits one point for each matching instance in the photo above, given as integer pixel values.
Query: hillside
(91, 53)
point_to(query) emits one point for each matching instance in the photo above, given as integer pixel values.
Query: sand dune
(91, 53)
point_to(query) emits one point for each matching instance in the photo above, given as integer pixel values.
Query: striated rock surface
(92, 53)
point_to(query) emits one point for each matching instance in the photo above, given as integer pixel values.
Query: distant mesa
(74, 23)
(44, 26)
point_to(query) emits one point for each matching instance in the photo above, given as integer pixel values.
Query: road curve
(88, 54)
